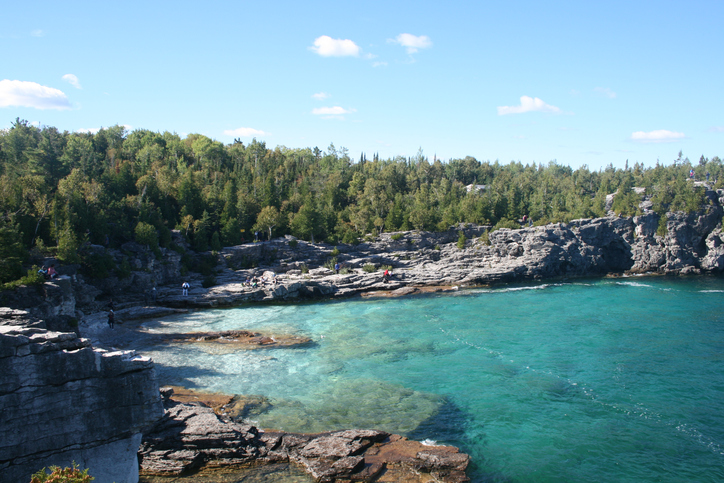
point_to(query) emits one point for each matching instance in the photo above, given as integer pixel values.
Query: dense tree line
(61, 189)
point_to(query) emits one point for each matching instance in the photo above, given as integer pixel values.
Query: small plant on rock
(369, 267)
(396, 236)
(461, 240)
(62, 475)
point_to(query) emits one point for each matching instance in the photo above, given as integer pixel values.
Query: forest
(61, 190)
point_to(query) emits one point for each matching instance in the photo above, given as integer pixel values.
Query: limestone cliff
(63, 400)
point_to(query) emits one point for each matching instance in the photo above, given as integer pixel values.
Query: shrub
(335, 252)
(215, 242)
(350, 238)
(345, 270)
(97, 265)
(124, 271)
(461, 240)
(506, 223)
(304, 268)
(662, 229)
(62, 475)
(437, 247)
(330, 263)
(293, 243)
(396, 236)
(31, 278)
(369, 268)
(209, 281)
(485, 238)
(145, 234)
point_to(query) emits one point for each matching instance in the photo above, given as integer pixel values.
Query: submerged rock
(191, 436)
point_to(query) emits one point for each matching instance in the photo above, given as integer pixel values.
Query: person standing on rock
(154, 294)
(111, 319)
(336, 268)
(185, 288)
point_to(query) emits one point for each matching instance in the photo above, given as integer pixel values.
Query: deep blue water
(610, 380)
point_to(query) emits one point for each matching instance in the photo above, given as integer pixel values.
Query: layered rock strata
(63, 401)
(192, 436)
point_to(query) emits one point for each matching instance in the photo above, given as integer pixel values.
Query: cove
(616, 379)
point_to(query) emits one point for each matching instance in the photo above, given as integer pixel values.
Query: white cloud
(320, 96)
(716, 129)
(31, 94)
(605, 91)
(72, 80)
(245, 132)
(379, 64)
(413, 43)
(92, 130)
(326, 46)
(37, 33)
(659, 136)
(331, 111)
(528, 104)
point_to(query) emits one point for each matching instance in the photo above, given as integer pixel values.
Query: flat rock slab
(240, 339)
(191, 437)
(403, 291)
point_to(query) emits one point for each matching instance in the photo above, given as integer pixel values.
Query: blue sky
(578, 82)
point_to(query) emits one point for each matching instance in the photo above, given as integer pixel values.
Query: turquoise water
(610, 380)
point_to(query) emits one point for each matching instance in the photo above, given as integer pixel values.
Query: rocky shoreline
(295, 270)
(191, 436)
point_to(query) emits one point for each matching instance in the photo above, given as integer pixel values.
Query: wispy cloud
(335, 112)
(659, 136)
(320, 96)
(326, 46)
(72, 80)
(379, 64)
(528, 104)
(413, 43)
(246, 132)
(37, 33)
(17, 93)
(606, 92)
(716, 129)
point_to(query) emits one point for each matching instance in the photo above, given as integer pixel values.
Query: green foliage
(215, 242)
(145, 234)
(97, 265)
(437, 247)
(662, 229)
(124, 271)
(506, 223)
(304, 268)
(68, 246)
(208, 281)
(62, 475)
(334, 252)
(12, 253)
(461, 240)
(369, 268)
(293, 243)
(31, 278)
(61, 189)
(485, 238)
(330, 263)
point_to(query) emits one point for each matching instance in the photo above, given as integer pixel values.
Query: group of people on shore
(257, 281)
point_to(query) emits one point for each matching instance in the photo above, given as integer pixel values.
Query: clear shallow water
(602, 380)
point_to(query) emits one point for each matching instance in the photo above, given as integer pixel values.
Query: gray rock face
(191, 436)
(63, 400)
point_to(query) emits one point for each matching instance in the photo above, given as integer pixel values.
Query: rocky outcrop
(192, 436)
(692, 244)
(63, 401)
